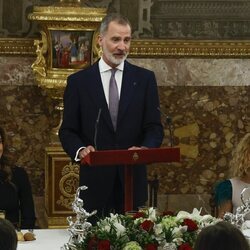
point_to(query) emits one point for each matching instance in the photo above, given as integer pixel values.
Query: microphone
(168, 121)
(96, 127)
(171, 130)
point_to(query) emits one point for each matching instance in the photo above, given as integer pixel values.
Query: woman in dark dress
(16, 198)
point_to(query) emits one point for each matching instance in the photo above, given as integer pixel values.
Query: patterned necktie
(113, 98)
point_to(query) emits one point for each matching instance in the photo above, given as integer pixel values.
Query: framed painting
(71, 49)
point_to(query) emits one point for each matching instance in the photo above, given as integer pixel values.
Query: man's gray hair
(113, 17)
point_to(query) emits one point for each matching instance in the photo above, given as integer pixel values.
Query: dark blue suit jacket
(138, 125)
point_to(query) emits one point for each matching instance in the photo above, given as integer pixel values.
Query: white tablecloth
(46, 239)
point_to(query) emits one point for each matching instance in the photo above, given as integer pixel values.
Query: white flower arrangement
(147, 230)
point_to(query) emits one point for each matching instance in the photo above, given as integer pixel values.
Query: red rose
(192, 226)
(147, 225)
(92, 243)
(103, 245)
(151, 246)
(185, 246)
(139, 215)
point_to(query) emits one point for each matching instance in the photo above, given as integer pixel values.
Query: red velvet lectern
(128, 158)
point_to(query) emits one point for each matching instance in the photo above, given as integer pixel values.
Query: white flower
(120, 229)
(113, 220)
(178, 241)
(183, 215)
(178, 234)
(195, 215)
(169, 246)
(178, 231)
(152, 214)
(158, 229)
(206, 217)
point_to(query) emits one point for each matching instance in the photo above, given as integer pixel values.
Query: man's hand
(137, 148)
(86, 151)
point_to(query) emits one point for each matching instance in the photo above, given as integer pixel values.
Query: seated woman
(227, 192)
(16, 198)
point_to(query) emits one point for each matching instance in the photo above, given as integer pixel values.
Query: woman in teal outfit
(227, 192)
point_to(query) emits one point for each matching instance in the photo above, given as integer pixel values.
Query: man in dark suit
(131, 122)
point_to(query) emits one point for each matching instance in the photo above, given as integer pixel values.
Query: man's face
(115, 43)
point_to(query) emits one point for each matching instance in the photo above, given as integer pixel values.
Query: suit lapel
(98, 96)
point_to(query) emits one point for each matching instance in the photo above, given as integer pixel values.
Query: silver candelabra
(241, 213)
(79, 227)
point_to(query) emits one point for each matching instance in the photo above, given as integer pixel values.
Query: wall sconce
(67, 44)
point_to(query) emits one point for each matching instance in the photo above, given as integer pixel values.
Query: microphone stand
(168, 121)
(170, 128)
(96, 128)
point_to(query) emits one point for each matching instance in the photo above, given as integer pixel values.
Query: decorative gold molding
(56, 222)
(151, 48)
(190, 48)
(17, 47)
(73, 14)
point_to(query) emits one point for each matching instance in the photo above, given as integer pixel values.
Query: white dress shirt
(105, 71)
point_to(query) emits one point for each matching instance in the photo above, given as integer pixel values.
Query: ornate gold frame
(152, 48)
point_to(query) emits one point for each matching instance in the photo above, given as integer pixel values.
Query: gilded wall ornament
(67, 44)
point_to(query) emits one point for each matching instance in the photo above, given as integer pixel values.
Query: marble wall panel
(208, 122)
(27, 115)
(208, 100)
(198, 71)
(16, 71)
